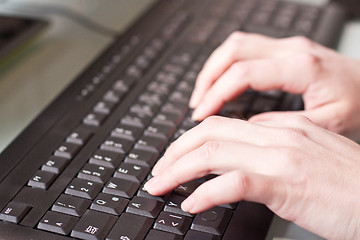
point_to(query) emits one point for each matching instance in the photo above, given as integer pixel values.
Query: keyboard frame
(23, 157)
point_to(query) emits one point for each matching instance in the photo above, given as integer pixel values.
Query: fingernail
(157, 168)
(198, 113)
(193, 100)
(151, 184)
(187, 204)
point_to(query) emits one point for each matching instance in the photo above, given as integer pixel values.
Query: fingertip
(193, 101)
(158, 167)
(150, 186)
(187, 204)
(200, 113)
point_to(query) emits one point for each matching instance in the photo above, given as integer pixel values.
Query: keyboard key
(121, 187)
(171, 119)
(174, 223)
(195, 235)
(141, 108)
(132, 172)
(42, 179)
(152, 144)
(67, 150)
(94, 119)
(126, 132)
(109, 204)
(153, 99)
(143, 193)
(142, 157)
(71, 205)
(107, 158)
(160, 131)
(173, 205)
(83, 188)
(113, 96)
(145, 207)
(117, 145)
(93, 225)
(57, 223)
(136, 119)
(104, 107)
(95, 173)
(187, 188)
(160, 235)
(213, 221)
(14, 212)
(130, 226)
(79, 136)
(55, 164)
(175, 107)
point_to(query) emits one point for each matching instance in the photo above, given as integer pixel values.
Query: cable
(71, 14)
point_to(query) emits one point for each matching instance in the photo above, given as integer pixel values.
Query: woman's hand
(328, 82)
(302, 172)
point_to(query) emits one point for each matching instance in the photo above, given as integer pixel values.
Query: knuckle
(294, 135)
(242, 69)
(299, 120)
(241, 183)
(291, 160)
(211, 122)
(210, 149)
(303, 42)
(310, 60)
(236, 36)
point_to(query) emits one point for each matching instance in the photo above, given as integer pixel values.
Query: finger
(217, 158)
(317, 122)
(236, 47)
(216, 129)
(286, 74)
(232, 187)
(244, 46)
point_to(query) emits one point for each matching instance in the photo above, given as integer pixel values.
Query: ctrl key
(14, 212)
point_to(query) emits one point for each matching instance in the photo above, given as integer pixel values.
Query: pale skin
(295, 163)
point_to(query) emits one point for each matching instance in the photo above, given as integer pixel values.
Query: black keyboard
(16, 31)
(77, 171)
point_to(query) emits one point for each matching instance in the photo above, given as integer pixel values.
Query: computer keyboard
(15, 31)
(78, 170)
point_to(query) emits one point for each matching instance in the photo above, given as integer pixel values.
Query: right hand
(329, 83)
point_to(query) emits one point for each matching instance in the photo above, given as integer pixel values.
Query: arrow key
(172, 223)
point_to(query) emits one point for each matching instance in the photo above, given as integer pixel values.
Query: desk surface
(32, 79)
